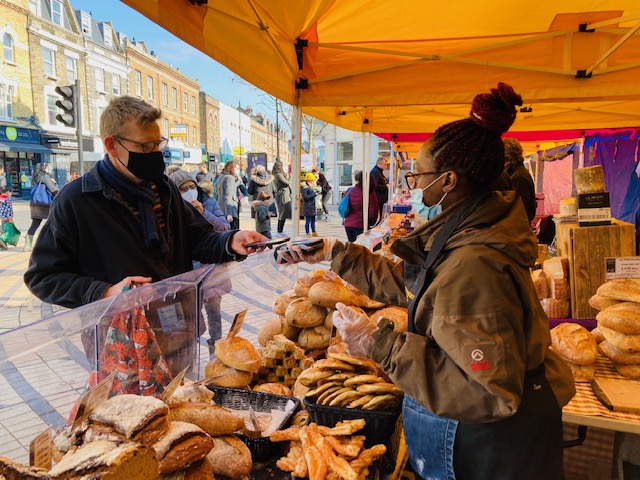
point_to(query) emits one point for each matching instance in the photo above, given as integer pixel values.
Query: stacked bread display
(552, 286)
(619, 323)
(577, 347)
(235, 363)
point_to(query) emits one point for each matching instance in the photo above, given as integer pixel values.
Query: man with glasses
(124, 223)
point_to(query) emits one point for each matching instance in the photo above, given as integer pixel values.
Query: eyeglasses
(146, 147)
(410, 177)
(184, 188)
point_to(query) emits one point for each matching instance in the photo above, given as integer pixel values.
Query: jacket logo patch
(477, 361)
(408, 293)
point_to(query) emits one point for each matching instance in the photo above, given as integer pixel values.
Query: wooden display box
(586, 249)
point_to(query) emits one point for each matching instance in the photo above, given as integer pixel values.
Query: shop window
(56, 12)
(345, 174)
(52, 110)
(49, 61)
(165, 98)
(34, 6)
(86, 23)
(7, 93)
(185, 102)
(7, 48)
(150, 87)
(174, 97)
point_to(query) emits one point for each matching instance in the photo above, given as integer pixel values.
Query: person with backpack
(354, 221)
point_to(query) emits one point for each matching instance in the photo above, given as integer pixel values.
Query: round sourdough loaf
(302, 313)
(222, 375)
(314, 338)
(282, 301)
(274, 327)
(305, 282)
(239, 353)
(574, 343)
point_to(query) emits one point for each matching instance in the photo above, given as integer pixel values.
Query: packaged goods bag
(10, 234)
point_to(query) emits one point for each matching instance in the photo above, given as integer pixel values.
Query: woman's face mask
(190, 195)
(417, 204)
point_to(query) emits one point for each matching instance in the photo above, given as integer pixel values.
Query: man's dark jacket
(524, 187)
(92, 240)
(379, 185)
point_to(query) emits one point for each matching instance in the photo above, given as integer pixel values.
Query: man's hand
(198, 206)
(243, 237)
(356, 329)
(116, 289)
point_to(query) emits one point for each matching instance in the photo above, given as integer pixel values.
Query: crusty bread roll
(623, 317)
(230, 457)
(582, 373)
(213, 419)
(625, 289)
(359, 299)
(623, 341)
(574, 343)
(191, 393)
(327, 294)
(182, 445)
(239, 353)
(302, 313)
(305, 282)
(398, 315)
(619, 356)
(597, 335)
(200, 470)
(140, 419)
(274, 388)
(314, 338)
(107, 461)
(600, 303)
(10, 470)
(282, 301)
(629, 371)
(274, 327)
(300, 389)
(222, 375)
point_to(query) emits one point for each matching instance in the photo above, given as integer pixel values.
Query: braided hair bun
(473, 147)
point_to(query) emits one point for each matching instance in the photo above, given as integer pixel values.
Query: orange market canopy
(411, 65)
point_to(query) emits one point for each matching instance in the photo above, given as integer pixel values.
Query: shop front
(20, 150)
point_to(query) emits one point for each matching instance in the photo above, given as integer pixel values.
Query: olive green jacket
(479, 325)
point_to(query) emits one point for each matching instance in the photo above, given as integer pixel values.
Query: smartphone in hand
(268, 243)
(307, 245)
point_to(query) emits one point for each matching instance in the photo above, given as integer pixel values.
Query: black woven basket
(237, 399)
(379, 424)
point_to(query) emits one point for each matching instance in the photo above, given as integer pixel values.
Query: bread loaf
(540, 283)
(359, 299)
(582, 373)
(107, 461)
(302, 313)
(191, 393)
(305, 282)
(200, 470)
(314, 338)
(182, 445)
(623, 317)
(213, 419)
(623, 341)
(140, 419)
(230, 457)
(619, 356)
(239, 353)
(597, 335)
(629, 371)
(624, 289)
(600, 303)
(559, 288)
(10, 470)
(221, 375)
(574, 343)
(398, 315)
(282, 302)
(555, 308)
(327, 294)
(274, 388)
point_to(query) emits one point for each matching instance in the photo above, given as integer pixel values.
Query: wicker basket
(237, 399)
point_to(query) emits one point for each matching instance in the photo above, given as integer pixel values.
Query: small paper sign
(40, 450)
(93, 398)
(237, 323)
(175, 383)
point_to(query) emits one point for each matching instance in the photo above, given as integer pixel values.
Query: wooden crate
(586, 249)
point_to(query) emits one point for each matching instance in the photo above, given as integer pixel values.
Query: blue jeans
(430, 441)
(309, 222)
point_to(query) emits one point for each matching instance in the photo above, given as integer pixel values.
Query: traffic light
(67, 104)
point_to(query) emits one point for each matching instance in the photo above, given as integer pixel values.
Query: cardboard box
(594, 209)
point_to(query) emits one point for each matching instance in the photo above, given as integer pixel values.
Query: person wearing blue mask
(483, 392)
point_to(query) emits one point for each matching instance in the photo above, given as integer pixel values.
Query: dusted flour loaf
(107, 461)
(327, 294)
(624, 289)
(540, 283)
(303, 313)
(600, 303)
(574, 343)
(623, 317)
(623, 341)
(191, 393)
(239, 353)
(556, 308)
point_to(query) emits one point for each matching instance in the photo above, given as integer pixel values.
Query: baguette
(182, 445)
(213, 419)
(625, 289)
(574, 343)
(623, 317)
(230, 457)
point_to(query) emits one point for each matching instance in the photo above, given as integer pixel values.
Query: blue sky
(214, 78)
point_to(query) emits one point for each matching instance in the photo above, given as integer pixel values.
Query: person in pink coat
(353, 222)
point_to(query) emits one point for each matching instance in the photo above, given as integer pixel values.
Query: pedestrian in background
(39, 211)
(353, 222)
(323, 183)
(261, 181)
(210, 204)
(263, 214)
(203, 173)
(227, 194)
(379, 183)
(309, 211)
(521, 180)
(282, 195)
(3, 177)
(6, 211)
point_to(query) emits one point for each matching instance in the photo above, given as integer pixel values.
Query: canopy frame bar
(609, 52)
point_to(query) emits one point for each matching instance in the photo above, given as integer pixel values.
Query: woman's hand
(117, 289)
(198, 206)
(229, 218)
(356, 329)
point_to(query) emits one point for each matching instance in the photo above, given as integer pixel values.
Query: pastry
(274, 388)
(239, 353)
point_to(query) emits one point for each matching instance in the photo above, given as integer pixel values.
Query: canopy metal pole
(393, 187)
(365, 183)
(296, 164)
